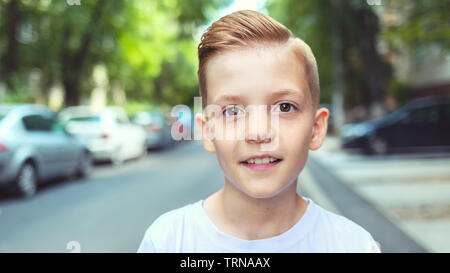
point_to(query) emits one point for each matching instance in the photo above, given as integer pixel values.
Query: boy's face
(271, 76)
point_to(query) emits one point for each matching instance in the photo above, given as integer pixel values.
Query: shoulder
(162, 234)
(342, 234)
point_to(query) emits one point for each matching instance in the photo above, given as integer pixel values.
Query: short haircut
(249, 28)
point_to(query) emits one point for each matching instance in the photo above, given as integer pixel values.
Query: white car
(108, 133)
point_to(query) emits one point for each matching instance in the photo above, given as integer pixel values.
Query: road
(110, 211)
(402, 199)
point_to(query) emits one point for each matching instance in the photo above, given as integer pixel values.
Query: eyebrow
(285, 92)
(271, 96)
(229, 98)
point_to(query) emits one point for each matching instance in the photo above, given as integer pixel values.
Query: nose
(258, 125)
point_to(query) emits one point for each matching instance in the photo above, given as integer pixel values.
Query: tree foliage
(147, 46)
(367, 75)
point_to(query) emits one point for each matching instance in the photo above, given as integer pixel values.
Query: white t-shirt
(189, 230)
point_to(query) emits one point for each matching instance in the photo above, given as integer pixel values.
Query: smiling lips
(261, 162)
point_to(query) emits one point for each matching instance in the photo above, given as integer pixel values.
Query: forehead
(255, 72)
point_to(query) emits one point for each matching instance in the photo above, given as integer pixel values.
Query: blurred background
(87, 160)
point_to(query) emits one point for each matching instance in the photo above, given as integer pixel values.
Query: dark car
(421, 125)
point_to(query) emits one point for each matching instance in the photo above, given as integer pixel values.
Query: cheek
(296, 144)
(225, 152)
(295, 134)
(230, 129)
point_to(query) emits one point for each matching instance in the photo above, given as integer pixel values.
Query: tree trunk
(367, 25)
(72, 63)
(159, 83)
(71, 94)
(69, 74)
(338, 72)
(12, 29)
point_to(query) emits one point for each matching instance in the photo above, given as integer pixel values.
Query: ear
(204, 128)
(319, 128)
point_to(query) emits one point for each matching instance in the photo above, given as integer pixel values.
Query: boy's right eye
(233, 111)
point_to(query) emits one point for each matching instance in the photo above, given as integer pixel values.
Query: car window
(446, 112)
(85, 119)
(142, 118)
(121, 120)
(37, 123)
(425, 115)
(417, 116)
(147, 118)
(432, 114)
(58, 127)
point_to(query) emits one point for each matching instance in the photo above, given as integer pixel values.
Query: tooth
(264, 160)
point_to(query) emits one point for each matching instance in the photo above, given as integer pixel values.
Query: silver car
(35, 148)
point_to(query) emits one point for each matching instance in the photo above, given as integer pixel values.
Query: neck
(257, 218)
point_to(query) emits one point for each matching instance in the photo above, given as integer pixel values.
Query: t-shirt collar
(273, 244)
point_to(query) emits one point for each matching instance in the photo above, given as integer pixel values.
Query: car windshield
(4, 112)
(152, 117)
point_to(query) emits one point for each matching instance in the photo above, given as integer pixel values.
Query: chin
(263, 191)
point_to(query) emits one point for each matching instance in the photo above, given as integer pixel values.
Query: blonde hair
(249, 28)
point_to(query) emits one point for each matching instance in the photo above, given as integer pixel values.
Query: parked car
(158, 133)
(35, 148)
(423, 124)
(108, 133)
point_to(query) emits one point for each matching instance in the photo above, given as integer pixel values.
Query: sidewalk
(413, 193)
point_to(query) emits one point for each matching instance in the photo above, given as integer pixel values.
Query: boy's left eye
(285, 107)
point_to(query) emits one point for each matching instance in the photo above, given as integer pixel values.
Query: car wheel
(378, 146)
(26, 182)
(85, 165)
(117, 158)
(144, 153)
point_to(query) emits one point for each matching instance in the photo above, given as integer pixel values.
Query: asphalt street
(402, 199)
(110, 211)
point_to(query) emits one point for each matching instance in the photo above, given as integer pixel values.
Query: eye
(285, 107)
(233, 111)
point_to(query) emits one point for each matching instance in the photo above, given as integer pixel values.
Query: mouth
(261, 162)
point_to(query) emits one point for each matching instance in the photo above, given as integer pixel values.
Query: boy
(247, 58)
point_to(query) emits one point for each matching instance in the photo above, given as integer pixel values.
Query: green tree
(343, 36)
(418, 23)
(147, 46)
